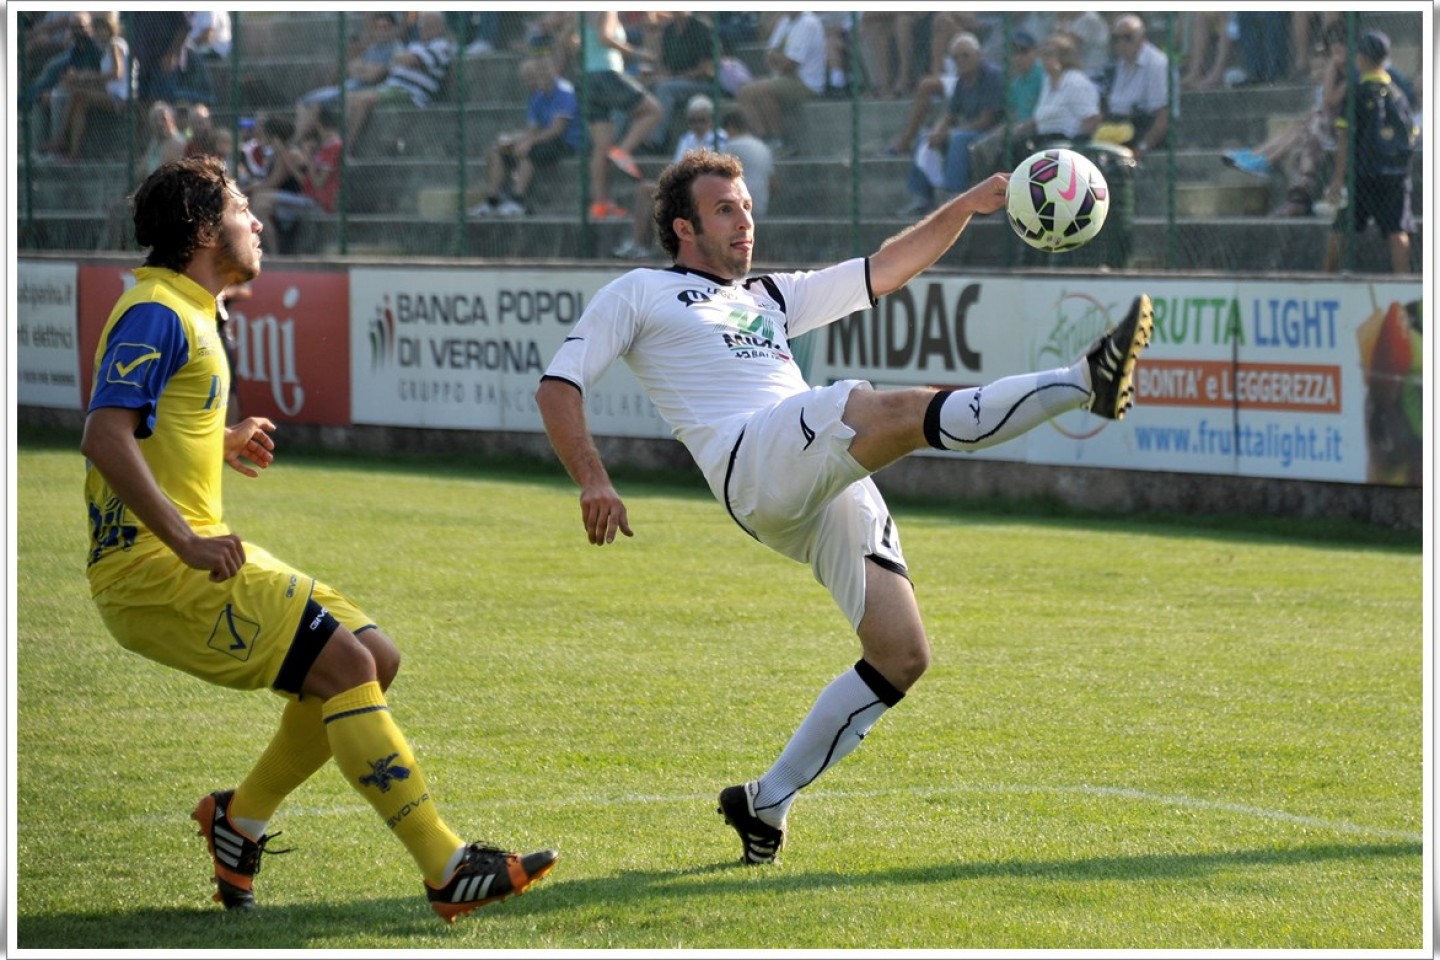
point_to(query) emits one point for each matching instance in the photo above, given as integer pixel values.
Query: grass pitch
(1136, 733)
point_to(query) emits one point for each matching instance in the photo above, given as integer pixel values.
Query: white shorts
(793, 485)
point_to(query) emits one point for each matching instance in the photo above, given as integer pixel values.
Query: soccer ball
(1057, 200)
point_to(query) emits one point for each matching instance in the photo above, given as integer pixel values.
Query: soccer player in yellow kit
(174, 584)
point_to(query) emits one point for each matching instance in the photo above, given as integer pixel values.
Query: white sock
(254, 829)
(837, 79)
(843, 713)
(985, 416)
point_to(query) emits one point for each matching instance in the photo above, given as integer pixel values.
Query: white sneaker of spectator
(510, 208)
(483, 209)
(630, 250)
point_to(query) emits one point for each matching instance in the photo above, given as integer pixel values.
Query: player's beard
(233, 261)
(718, 257)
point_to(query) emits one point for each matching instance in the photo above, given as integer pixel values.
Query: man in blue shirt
(976, 107)
(551, 133)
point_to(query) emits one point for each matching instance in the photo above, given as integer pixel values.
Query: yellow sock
(297, 750)
(374, 757)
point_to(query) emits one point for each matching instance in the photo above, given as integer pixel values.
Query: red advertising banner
(291, 335)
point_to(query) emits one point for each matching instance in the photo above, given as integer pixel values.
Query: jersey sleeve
(813, 299)
(145, 348)
(603, 333)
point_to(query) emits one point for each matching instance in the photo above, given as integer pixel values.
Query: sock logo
(381, 773)
(975, 406)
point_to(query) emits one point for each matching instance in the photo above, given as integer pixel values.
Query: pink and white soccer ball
(1057, 200)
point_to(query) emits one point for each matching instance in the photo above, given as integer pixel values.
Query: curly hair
(178, 207)
(675, 198)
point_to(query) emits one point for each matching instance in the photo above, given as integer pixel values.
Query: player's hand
(223, 556)
(603, 512)
(988, 195)
(249, 439)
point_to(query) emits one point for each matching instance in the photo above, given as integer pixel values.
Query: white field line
(1119, 793)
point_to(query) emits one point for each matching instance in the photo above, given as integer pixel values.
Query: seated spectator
(687, 68)
(159, 41)
(1136, 110)
(757, 159)
(1092, 39)
(416, 74)
(932, 90)
(700, 119)
(795, 54)
(199, 130)
(1263, 37)
(106, 89)
(1069, 105)
(552, 133)
(165, 142)
(1207, 48)
(610, 90)
(255, 157)
(887, 39)
(207, 40)
(299, 184)
(838, 24)
(975, 108)
(1303, 148)
(82, 57)
(366, 70)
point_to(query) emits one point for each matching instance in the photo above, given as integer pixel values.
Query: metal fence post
(343, 68)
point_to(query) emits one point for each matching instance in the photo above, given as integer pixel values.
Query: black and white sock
(982, 417)
(841, 717)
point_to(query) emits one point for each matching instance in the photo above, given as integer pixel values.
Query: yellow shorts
(235, 634)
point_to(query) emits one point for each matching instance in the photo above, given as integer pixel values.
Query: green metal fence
(414, 180)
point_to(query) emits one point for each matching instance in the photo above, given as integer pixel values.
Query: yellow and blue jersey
(160, 353)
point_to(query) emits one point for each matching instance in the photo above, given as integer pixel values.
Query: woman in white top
(1069, 105)
(105, 89)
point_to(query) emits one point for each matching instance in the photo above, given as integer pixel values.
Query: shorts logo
(382, 772)
(234, 635)
(127, 362)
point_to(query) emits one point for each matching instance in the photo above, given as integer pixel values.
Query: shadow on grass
(299, 926)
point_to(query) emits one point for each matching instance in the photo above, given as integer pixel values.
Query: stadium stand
(403, 176)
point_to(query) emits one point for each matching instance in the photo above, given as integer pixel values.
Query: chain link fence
(394, 134)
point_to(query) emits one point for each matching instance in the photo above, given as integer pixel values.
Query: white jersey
(709, 352)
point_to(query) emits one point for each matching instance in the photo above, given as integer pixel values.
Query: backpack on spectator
(1394, 130)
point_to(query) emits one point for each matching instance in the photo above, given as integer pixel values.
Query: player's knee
(384, 653)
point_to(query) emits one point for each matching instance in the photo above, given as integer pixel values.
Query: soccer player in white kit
(790, 462)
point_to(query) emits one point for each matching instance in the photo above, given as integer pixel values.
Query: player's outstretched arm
(916, 247)
(601, 509)
(109, 444)
(250, 439)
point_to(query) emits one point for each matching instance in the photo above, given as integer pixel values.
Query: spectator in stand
(106, 89)
(975, 108)
(887, 42)
(51, 97)
(1207, 48)
(933, 89)
(700, 118)
(366, 70)
(1263, 37)
(1381, 149)
(687, 68)
(159, 42)
(755, 156)
(1136, 111)
(552, 133)
(610, 90)
(1302, 148)
(47, 44)
(208, 40)
(416, 74)
(795, 54)
(1028, 77)
(1092, 39)
(285, 175)
(1069, 106)
(165, 143)
(838, 25)
(200, 132)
